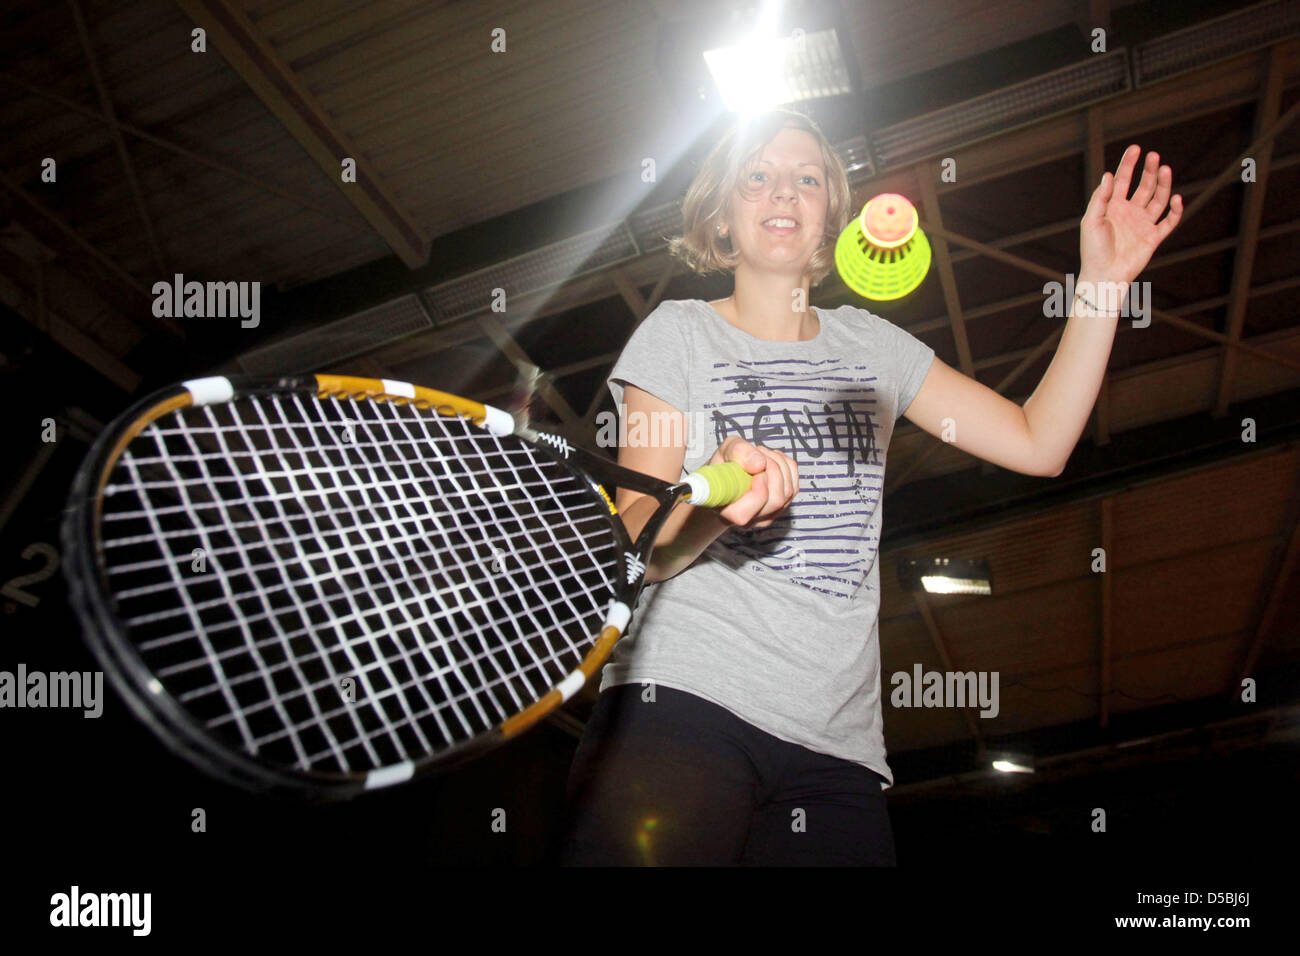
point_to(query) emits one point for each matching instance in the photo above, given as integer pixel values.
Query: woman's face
(777, 217)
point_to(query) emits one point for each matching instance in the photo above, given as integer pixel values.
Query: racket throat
(644, 543)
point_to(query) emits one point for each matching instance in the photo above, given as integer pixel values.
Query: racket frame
(180, 730)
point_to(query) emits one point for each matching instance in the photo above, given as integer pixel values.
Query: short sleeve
(907, 360)
(655, 358)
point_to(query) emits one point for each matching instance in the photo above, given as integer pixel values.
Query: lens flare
(644, 842)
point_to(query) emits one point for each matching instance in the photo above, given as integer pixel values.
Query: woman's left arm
(1117, 237)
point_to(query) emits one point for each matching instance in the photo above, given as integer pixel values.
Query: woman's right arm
(688, 530)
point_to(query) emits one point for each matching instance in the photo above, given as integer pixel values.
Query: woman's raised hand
(1117, 235)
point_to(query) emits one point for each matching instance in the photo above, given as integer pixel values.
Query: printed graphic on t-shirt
(823, 414)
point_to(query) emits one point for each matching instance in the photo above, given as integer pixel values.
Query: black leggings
(681, 781)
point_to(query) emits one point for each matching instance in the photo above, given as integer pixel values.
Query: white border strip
(619, 615)
(497, 421)
(387, 776)
(404, 389)
(209, 391)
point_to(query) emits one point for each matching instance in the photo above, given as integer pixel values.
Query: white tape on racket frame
(619, 615)
(209, 391)
(571, 684)
(404, 389)
(498, 421)
(387, 776)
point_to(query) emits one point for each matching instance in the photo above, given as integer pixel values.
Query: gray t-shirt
(778, 625)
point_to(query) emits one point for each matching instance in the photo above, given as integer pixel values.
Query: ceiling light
(765, 70)
(1014, 763)
(945, 576)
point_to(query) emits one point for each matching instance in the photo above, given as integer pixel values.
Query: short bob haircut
(725, 172)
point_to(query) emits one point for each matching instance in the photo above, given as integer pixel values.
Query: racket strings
(286, 475)
(286, 586)
(297, 541)
(420, 582)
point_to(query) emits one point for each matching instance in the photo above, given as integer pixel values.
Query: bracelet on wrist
(1094, 308)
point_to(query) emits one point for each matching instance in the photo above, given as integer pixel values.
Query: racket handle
(715, 486)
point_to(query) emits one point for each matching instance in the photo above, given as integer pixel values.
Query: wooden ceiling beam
(665, 276)
(1232, 171)
(941, 648)
(925, 175)
(1276, 727)
(641, 308)
(1161, 314)
(111, 266)
(501, 337)
(1252, 214)
(1030, 357)
(1192, 252)
(1214, 89)
(1107, 608)
(943, 262)
(583, 290)
(68, 337)
(631, 295)
(258, 182)
(597, 401)
(119, 144)
(1286, 566)
(54, 219)
(1072, 223)
(17, 492)
(556, 373)
(302, 115)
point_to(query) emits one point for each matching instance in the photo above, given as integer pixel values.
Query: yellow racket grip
(716, 486)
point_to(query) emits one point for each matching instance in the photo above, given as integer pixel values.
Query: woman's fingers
(788, 471)
(1164, 186)
(783, 482)
(1150, 177)
(749, 505)
(1124, 174)
(748, 456)
(774, 482)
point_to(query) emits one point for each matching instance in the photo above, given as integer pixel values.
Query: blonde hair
(723, 173)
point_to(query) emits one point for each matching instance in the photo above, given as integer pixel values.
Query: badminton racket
(325, 585)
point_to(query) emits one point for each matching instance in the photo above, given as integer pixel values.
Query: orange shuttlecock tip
(889, 220)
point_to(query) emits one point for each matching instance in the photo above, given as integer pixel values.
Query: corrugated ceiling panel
(1049, 700)
(1241, 501)
(1185, 673)
(1202, 594)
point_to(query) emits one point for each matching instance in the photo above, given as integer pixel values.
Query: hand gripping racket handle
(715, 486)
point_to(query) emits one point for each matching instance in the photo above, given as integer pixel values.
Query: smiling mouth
(782, 225)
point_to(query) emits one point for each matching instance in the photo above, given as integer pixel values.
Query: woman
(739, 720)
